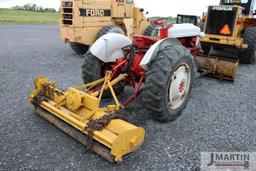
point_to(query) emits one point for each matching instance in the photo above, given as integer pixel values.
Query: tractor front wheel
(206, 49)
(168, 83)
(92, 70)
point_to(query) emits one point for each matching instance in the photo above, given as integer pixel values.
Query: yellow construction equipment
(84, 21)
(231, 26)
(78, 113)
(217, 67)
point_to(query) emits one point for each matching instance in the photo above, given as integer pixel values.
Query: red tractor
(159, 21)
(165, 67)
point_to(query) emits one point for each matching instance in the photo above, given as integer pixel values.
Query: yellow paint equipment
(78, 114)
(218, 67)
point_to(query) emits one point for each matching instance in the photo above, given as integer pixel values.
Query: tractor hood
(184, 30)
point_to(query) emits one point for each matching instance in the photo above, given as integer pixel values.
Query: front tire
(92, 70)
(168, 83)
(248, 56)
(206, 49)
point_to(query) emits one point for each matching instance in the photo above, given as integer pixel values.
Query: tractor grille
(67, 13)
(220, 17)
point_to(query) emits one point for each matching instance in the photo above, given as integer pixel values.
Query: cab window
(179, 20)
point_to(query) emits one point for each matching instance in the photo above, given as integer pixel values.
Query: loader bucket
(78, 114)
(218, 67)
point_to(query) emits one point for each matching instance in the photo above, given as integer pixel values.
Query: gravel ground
(220, 115)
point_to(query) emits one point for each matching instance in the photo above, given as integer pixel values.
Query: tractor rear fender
(154, 49)
(108, 48)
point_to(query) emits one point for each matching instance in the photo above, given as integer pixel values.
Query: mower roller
(162, 70)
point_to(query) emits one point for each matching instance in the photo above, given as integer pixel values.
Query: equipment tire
(248, 56)
(206, 49)
(163, 74)
(79, 48)
(110, 29)
(92, 71)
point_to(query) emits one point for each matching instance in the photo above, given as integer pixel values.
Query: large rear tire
(248, 56)
(110, 29)
(168, 83)
(152, 30)
(79, 48)
(92, 71)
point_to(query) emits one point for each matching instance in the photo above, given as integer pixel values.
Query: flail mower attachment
(78, 114)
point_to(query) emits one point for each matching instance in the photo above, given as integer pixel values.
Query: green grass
(9, 16)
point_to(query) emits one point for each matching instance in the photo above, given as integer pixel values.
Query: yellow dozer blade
(218, 67)
(78, 114)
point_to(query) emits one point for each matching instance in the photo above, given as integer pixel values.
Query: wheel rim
(179, 86)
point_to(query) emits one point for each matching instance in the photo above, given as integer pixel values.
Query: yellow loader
(231, 27)
(84, 21)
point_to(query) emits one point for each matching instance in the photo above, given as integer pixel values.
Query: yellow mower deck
(76, 112)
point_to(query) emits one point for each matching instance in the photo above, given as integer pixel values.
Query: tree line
(33, 7)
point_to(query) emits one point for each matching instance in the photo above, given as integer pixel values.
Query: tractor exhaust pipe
(77, 135)
(217, 67)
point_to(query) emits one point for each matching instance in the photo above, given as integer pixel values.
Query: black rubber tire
(79, 48)
(158, 80)
(206, 49)
(110, 29)
(152, 30)
(248, 55)
(92, 71)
